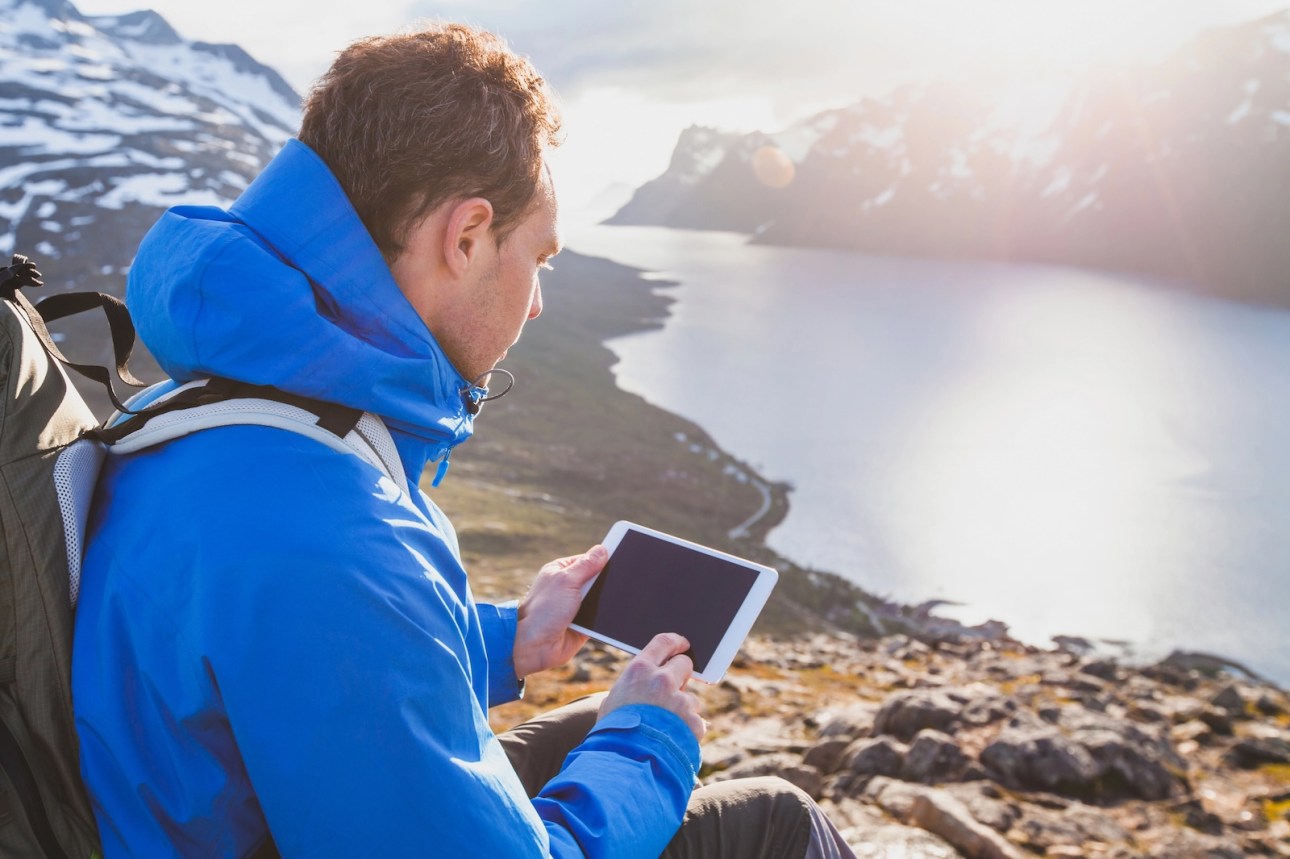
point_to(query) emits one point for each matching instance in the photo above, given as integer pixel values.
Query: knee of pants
(785, 799)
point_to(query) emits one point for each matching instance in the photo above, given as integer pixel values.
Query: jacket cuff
(497, 623)
(663, 727)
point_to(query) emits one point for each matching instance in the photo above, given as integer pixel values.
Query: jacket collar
(298, 208)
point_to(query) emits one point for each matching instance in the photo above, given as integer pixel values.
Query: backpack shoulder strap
(22, 274)
(208, 403)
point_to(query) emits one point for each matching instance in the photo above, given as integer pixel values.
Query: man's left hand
(542, 636)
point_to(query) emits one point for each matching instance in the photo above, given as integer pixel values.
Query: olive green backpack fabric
(44, 811)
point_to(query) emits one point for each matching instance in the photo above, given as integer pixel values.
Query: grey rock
(1219, 720)
(1229, 698)
(1194, 815)
(1193, 731)
(934, 757)
(1252, 752)
(875, 756)
(1135, 760)
(1270, 706)
(1074, 644)
(905, 714)
(826, 756)
(1103, 669)
(893, 796)
(1074, 826)
(853, 722)
(1145, 769)
(903, 647)
(1089, 759)
(986, 803)
(1042, 759)
(940, 813)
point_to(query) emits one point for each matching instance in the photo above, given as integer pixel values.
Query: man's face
(508, 293)
(477, 305)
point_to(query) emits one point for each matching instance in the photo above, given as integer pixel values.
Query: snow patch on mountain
(106, 120)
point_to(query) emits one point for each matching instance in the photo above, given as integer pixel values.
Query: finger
(696, 723)
(663, 647)
(679, 668)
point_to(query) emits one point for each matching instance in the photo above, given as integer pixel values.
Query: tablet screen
(651, 586)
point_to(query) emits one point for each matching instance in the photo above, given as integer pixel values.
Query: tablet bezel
(739, 626)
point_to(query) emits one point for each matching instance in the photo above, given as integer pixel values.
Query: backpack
(51, 451)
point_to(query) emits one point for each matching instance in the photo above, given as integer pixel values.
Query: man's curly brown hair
(410, 121)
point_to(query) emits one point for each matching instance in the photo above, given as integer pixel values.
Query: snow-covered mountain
(101, 115)
(1180, 169)
(105, 121)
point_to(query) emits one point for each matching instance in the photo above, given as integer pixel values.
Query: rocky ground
(967, 746)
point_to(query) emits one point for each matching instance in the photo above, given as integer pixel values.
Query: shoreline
(923, 619)
(680, 479)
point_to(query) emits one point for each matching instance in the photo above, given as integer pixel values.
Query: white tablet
(654, 582)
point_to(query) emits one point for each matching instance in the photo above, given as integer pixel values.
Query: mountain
(105, 121)
(1180, 169)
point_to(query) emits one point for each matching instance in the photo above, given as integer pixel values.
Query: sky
(631, 74)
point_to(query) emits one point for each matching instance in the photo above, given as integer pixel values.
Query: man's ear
(469, 223)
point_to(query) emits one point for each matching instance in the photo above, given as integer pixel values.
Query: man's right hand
(657, 675)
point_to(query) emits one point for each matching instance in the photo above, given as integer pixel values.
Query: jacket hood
(287, 288)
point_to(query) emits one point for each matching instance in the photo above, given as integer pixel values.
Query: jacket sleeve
(497, 622)
(352, 681)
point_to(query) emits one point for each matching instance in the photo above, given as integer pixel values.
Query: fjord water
(1070, 452)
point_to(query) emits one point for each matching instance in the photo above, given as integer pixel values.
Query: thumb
(588, 564)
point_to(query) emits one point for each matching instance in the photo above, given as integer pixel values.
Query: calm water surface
(1068, 451)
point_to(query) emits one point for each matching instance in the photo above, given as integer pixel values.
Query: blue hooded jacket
(272, 637)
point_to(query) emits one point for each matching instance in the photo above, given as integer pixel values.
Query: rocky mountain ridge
(1180, 170)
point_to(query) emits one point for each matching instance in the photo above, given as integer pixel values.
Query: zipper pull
(442, 470)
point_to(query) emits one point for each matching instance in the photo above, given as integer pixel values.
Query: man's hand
(657, 675)
(542, 636)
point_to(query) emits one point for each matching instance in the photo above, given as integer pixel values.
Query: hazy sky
(632, 74)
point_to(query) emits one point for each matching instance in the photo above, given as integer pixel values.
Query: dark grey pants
(752, 818)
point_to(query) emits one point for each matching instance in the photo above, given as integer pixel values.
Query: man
(276, 646)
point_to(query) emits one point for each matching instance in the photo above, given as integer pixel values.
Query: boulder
(1229, 698)
(943, 815)
(849, 723)
(934, 757)
(826, 756)
(986, 802)
(1086, 754)
(875, 756)
(905, 714)
(1103, 669)
(1253, 752)
(1040, 759)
